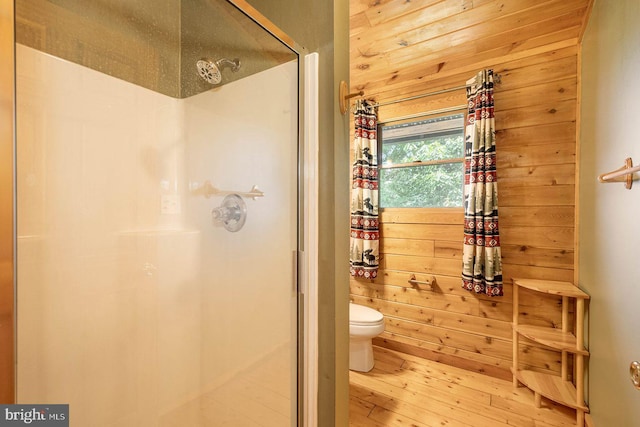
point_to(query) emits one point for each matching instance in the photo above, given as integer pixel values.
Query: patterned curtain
(481, 259)
(365, 233)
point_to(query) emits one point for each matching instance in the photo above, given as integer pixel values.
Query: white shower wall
(130, 302)
(241, 135)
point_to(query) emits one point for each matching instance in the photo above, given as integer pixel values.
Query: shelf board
(552, 387)
(551, 337)
(565, 289)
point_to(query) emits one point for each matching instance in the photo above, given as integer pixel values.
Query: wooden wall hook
(623, 174)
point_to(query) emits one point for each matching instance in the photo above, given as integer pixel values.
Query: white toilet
(364, 324)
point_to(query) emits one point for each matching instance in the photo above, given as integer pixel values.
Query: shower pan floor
(256, 397)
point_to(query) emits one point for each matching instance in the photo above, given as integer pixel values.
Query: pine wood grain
(552, 287)
(422, 216)
(402, 49)
(407, 390)
(558, 153)
(538, 175)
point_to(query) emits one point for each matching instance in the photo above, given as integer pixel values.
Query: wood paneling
(402, 49)
(7, 294)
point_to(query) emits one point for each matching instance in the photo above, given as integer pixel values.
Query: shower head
(210, 70)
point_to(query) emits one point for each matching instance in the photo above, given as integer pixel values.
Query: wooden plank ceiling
(402, 48)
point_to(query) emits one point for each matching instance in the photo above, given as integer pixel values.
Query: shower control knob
(231, 214)
(223, 214)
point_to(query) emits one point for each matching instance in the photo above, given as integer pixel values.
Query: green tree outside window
(423, 163)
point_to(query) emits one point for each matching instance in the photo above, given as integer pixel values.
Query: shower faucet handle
(225, 213)
(231, 214)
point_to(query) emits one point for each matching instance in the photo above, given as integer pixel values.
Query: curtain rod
(411, 98)
(344, 96)
(496, 78)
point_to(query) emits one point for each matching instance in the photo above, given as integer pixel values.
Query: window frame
(419, 163)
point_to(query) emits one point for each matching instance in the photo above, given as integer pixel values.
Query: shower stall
(159, 213)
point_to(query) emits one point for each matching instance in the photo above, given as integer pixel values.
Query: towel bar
(431, 282)
(208, 190)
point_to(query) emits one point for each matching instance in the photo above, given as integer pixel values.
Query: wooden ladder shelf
(557, 388)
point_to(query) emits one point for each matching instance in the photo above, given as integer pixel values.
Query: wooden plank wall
(535, 105)
(7, 256)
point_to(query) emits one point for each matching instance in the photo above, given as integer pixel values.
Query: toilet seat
(360, 315)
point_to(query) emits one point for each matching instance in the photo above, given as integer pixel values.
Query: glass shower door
(140, 301)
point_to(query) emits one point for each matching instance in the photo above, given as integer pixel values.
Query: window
(422, 163)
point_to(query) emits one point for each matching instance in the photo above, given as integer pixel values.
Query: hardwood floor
(408, 391)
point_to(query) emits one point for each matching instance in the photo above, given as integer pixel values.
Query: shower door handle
(294, 267)
(298, 257)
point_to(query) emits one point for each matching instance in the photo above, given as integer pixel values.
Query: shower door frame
(306, 365)
(305, 398)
